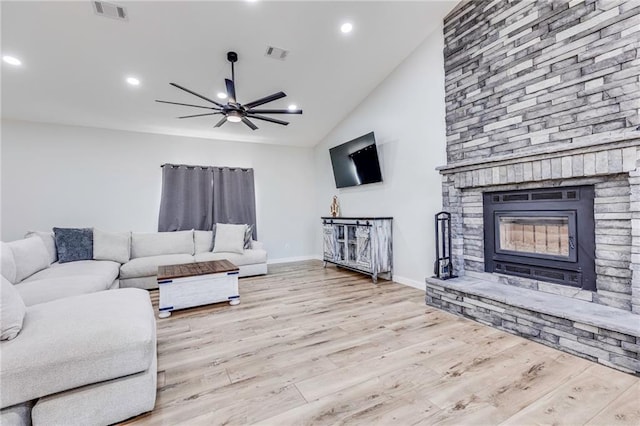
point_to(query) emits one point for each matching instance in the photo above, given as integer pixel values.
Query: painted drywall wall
(54, 175)
(407, 114)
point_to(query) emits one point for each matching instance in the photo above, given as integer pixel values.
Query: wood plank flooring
(315, 346)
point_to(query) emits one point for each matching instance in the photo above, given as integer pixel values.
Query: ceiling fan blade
(231, 90)
(200, 115)
(246, 121)
(189, 105)
(196, 94)
(272, 120)
(275, 111)
(265, 100)
(221, 122)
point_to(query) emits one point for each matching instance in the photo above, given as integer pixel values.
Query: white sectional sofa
(86, 353)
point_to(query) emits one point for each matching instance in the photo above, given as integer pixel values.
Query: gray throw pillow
(74, 244)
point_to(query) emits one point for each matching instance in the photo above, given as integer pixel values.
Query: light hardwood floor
(309, 345)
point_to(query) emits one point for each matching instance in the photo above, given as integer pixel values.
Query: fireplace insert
(543, 234)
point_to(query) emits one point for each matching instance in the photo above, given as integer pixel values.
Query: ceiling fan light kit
(234, 111)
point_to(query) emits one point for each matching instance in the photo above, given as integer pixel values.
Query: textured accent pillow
(12, 310)
(30, 256)
(247, 236)
(49, 241)
(74, 244)
(229, 238)
(114, 246)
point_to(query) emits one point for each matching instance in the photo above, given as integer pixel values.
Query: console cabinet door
(329, 238)
(363, 247)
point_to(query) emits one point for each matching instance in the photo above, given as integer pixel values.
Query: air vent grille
(110, 10)
(276, 53)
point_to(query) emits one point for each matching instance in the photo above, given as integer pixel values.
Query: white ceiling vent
(276, 53)
(110, 10)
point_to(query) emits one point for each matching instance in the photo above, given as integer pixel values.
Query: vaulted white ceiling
(74, 62)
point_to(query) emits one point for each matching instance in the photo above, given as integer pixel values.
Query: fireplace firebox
(543, 234)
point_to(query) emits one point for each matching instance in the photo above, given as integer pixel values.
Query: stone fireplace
(542, 176)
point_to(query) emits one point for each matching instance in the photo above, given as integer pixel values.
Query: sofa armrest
(257, 245)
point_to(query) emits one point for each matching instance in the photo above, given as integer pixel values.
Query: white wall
(67, 176)
(407, 114)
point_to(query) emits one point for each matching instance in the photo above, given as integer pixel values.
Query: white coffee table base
(188, 292)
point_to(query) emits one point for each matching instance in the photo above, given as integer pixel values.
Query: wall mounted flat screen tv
(356, 162)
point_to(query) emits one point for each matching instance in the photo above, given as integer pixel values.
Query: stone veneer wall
(543, 94)
(523, 74)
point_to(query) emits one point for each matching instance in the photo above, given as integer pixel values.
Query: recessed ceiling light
(293, 107)
(346, 27)
(133, 81)
(11, 60)
(222, 95)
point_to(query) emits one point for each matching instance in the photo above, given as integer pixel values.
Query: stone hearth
(546, 95)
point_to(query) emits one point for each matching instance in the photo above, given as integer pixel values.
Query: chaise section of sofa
(86, 349)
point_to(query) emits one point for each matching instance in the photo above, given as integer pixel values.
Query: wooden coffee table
(196, 284)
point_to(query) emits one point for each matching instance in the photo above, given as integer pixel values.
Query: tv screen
(356, 162)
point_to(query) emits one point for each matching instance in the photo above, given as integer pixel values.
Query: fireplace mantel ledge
(589, 313)
(543, 153)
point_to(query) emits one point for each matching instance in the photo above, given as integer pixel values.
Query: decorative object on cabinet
(335, 207)
(362, 244)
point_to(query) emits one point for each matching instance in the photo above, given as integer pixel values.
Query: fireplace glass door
(537, 234)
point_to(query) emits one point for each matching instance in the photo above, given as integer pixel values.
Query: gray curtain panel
(234, 197)
(199, 197)
(187, 197)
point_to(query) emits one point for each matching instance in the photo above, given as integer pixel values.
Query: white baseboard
(420, 285)
(293, 259)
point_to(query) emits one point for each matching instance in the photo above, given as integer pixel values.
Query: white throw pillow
(49, 241)
(114, 246)
(229, 238)
(12, 310)
(30, 255)
(8, 263)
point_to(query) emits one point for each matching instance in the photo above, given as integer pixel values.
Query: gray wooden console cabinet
(363, 244)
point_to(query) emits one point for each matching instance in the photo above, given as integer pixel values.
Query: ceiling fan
(234, 111)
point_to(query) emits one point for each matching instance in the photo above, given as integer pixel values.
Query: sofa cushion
(74, 244)
(78, 341)
(203, 241)
(12, 310)
(147, 266)
(8, 266)
(229, 238)
(48, 289)
(106, 270)
(115, 246)
(49, 240)
(30, 256)
(160, 243)
(249, 257)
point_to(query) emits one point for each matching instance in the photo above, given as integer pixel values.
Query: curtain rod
(189, 166)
